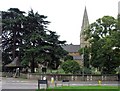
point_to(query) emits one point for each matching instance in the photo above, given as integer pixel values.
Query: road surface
(11, 84)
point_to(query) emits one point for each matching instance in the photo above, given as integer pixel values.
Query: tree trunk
(33, 64)
(14, 43)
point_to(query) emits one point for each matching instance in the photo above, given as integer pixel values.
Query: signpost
(42, 82)
(65, 81)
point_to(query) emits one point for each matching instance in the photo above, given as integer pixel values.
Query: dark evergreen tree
(27, 37)
(11, 33)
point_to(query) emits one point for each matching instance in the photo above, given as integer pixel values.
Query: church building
(73, 49)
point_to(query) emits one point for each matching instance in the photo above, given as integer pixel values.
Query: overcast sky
(66, 15)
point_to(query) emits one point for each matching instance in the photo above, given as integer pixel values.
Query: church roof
(14, 63)
(77, 57)
(71, 48)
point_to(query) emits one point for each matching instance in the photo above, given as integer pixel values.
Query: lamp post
(83, 64)
(119, 75)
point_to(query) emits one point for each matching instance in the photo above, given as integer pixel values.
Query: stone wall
(60, 77)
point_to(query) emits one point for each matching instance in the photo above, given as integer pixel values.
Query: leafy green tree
(71, 66)
(102, 36)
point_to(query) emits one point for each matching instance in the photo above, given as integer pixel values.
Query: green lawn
(87, 87)
(83, 88)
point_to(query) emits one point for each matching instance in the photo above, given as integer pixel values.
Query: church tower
(85, 24)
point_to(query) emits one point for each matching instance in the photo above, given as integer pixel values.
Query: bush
(68, 57)
(87, 70)
(71, 66)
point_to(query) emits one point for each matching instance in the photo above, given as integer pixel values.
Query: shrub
(71, 66)
(68, 57)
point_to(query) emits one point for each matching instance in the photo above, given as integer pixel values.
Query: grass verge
(82, 88)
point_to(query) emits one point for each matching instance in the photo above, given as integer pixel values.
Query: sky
(65, 15)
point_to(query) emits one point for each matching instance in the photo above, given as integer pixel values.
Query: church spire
(119, 8)
(85, 24)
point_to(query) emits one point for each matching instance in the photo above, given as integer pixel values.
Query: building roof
(77, 57)
(71, 48)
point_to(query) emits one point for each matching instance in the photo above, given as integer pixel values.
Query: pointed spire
(85, 22)
(119, 8)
